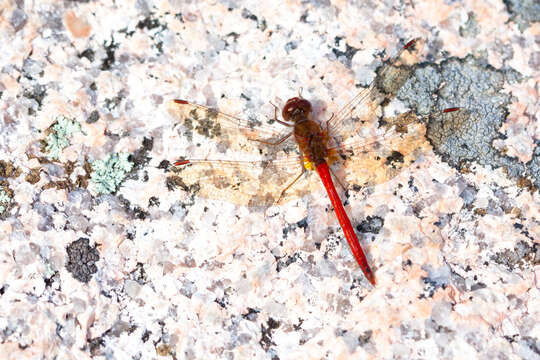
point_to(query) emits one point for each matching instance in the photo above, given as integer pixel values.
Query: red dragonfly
(259, 164)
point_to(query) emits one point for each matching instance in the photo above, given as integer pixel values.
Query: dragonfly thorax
(312, 140)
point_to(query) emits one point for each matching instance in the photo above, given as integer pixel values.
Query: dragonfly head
(296, 109)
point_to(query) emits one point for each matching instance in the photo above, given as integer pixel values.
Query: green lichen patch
(59, 134)
(108, 173)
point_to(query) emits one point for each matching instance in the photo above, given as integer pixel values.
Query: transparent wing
(228, 132)
(382, 157)
(239, 165)
(362, 110)
(251, 183)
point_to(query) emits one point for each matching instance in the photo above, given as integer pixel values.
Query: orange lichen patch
(7, 169)
(77, 26)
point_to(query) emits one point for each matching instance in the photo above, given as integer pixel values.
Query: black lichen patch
(82, 260)
(467, 135)
(523, 12)
(523, 255)
(140, 158)
(371, 225)
(266, 337)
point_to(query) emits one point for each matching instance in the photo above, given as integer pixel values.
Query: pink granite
(183, 277)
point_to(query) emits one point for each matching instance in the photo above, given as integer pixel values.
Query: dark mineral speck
(266, 338)
(93, 117)
(468, 195)
(88, 53)
(372, 224)
(18, 19)
(82, 260)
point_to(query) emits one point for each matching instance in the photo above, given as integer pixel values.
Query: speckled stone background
(101, 258)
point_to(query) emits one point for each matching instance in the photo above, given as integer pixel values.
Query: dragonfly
(258, 164)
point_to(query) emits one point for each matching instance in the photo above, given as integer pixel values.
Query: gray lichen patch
(523, 12)
(467, 135)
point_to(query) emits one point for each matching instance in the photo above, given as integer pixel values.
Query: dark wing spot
(395, 159)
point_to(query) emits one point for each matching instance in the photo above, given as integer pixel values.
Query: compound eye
(296, 107)
(305, 105)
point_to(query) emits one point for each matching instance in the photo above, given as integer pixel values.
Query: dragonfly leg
(337, 179)
(275, 110)
(328, 122)
(277, 142)
(291, 184)
(276, 118)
